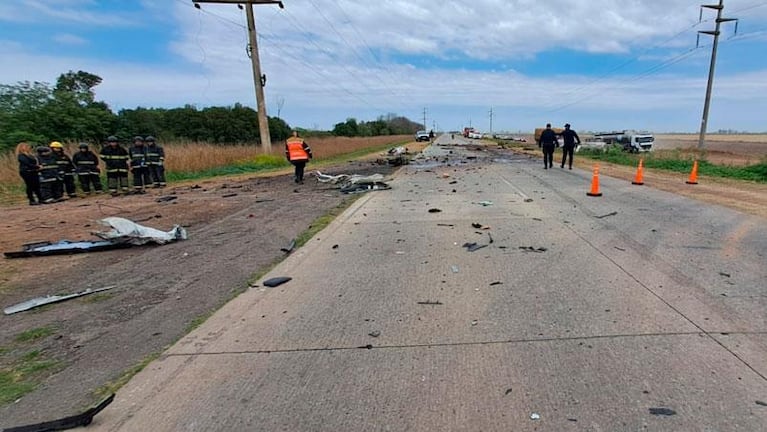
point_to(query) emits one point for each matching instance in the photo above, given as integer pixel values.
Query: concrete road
(639, 310)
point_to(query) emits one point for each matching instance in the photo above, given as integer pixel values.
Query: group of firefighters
(51, 172)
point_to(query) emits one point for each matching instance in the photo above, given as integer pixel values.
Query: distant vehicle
(631, 141)
(467, 131)
(539, 131)
(591, 143)
(422, 135)
(475, 135)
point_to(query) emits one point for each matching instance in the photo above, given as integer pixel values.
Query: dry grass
(751, 138)
(191, 157)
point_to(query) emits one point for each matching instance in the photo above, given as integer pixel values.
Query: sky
(597, 64)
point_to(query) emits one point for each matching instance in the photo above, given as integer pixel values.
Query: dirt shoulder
(236, 228)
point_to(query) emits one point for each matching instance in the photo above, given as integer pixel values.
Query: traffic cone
(594, 192)
(639, 179)
(694, 174)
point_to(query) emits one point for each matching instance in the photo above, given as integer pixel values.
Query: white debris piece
(133, 233)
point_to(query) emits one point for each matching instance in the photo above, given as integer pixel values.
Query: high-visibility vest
(296, 150)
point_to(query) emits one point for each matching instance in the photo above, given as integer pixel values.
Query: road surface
(638, 310)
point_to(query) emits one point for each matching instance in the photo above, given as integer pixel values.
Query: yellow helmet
(56, 144)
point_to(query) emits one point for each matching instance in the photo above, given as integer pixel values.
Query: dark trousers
(51, 190)
(69, 184)
(157, 172)
(141, 178)
(299, 174)
(32, 182)
(567, 151)
(115, 180)
(548, 155)
(86, 180)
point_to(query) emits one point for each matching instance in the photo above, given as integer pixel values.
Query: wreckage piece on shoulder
(71, 422)
(65, 247)
(364, 187)
(42, 301)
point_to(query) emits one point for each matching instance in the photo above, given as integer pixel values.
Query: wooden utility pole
(719, 20)
(259, 80)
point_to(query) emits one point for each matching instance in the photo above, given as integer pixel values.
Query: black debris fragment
(496, 283)
(761, 403)
(607, 215)
(374, 333)
(528, 200)
(277, 281)
(335, 246)
(445, 225)
(662, 412)
(472, 247)
(434, 210)
(620, 249)
(725, 274)
(166, 198)
(508, 391)
(533, 249)
(229, 195)
(290, 247)
(430, 302)
(71, 422)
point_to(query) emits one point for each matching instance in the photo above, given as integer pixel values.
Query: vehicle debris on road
(533, 249)
(41, 301)
(374, 333)
(430, 302)
(79, 420)
(662, 412)
(354, 183)
(166, 198)
(472, 247)
(291, 246)
(276, 281)
(435, 210)
(607, 215)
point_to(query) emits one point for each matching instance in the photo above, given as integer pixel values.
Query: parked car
(422, 135)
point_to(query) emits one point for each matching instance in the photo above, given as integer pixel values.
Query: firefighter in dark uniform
(298, 153)
(115, 159)
(548, 142)
(138, 165)
(155, 157)
(570, 138)
(51, 187)
(87, 166)
(66, 168)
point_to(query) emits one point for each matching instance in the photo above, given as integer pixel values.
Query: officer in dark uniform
(66, 168)
(570, 137)
(115, 159)
(156, 161)
(87, 166)
(51, 187)
(548, 142)
(139, 166)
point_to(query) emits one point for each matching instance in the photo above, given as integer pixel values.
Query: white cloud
(62, 12)
(69, 39)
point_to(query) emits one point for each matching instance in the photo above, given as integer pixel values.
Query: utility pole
(491, 121)
(719, 20)
(424, 118)
(259, 80)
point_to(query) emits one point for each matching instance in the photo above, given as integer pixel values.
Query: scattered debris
(40, 301)
(374, 333)
(229, 195)
(472, 247)
(364, 187)
(480, 226)
(276, 281)
(430, 302)
(166, 198)
(528, 200)
(572, 420)
(496, 283)
(474, 322)
(725, 274)
(135, 234)
(761, 403)
(535, 416)
(538, 219)
(454, 268)
(434, 210)
(445, 225)
(290, 247)
(335, 246)
(491, 237)
(533, 249)
(453, 182)
(64, 247)
(662, 412)
(508, 391)
(262, 200)
(607, 215)
(196, 187)
(485, 203)
(354, 183)
(620, 248)
(65, 423)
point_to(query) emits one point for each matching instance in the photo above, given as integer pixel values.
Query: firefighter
(51, 186)
(570, 138)
(87, 166)
(66, 168)
(155, 161)
(138, 165)
(298, 153)
(115, 159)
(28, 170)
(548, 142)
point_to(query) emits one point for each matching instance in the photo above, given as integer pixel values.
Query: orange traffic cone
(693, 174)
(639, 179)
(594, 192)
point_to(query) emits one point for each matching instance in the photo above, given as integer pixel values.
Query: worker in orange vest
(298, 153)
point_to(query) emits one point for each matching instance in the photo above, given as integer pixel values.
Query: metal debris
(276, 281)
(290, 247)
(535, 416)
(71, 422)
(662, 411)
(533, 249)
(472, 247)
(374, 333)
(430, 302)
(607, 215)
(166, 198)
(434, 210)
(41, 301)
(454, 268)
(485, 203)
(229, 195)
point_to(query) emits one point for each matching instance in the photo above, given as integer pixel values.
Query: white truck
(631, 141)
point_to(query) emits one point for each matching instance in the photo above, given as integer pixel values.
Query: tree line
(39, 112)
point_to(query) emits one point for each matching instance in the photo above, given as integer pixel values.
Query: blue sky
(598, 64)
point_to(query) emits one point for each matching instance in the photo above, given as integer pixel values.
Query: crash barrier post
(594, 192)
(639, 179)
(693, 174)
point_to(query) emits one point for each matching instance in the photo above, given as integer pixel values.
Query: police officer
(115, 159)
(298, 153)
(66, 168)
(570, 137)
(548, 142)
(155, 161)
(139, 166)
(51, 187)
(87, 166)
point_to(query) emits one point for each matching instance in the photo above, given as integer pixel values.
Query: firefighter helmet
(138, 138)
(43, 149)
(112, 138)
(150, 139)
(83, 145)
(55, 145)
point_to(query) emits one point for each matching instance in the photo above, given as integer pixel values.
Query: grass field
(191, 160)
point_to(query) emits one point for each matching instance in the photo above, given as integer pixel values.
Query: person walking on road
(51, 187)
(155, 157)
(571, 139)
(115, 159)
(28, 170)
(66, 168)
(138, 165)
(298, 153)
(87, 166)
(548, 142)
